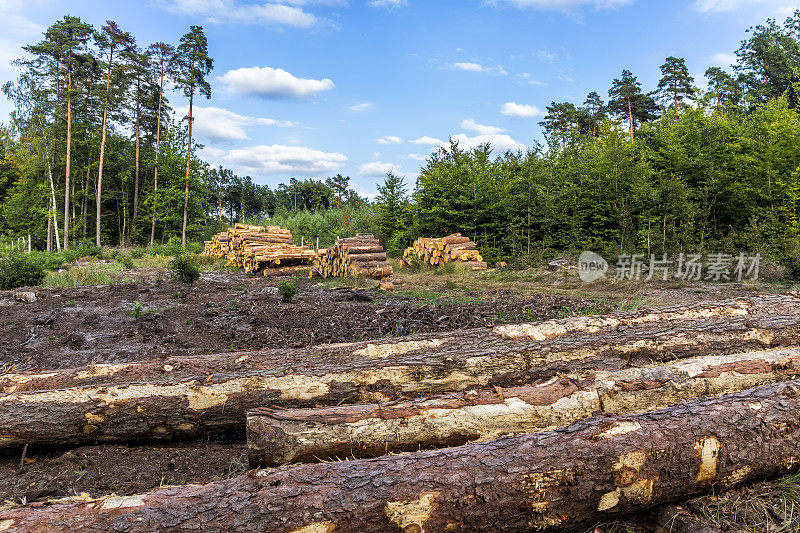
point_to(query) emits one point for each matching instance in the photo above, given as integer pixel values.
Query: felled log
(280, 436)
(256, 248)
(594, 470)
(442, 251)
(361, 255)
(286, 271)
(182, 397)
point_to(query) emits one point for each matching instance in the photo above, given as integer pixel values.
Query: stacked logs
(361, 255)
(525, 427)
(267, 250)
(448, 249)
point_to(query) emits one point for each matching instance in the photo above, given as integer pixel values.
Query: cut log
(286, 271)
(280, 436)
(594, 470)
(183, 397)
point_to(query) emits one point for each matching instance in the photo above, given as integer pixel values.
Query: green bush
(81, 248)
(138, 253)
(125, 260)
(21, 270)
(184, 269)
(136, 311)
(287, 290)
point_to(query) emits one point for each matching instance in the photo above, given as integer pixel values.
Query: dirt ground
(229, 311)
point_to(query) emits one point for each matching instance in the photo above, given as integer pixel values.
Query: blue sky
(310, 88)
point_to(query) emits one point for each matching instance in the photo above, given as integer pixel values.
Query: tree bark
(69, 151)
(158, 146)
(594, 470)
(183, 397)
(280, 436)
(103, 148)
(136, 165)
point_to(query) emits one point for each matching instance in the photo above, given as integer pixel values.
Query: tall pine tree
(627, 100)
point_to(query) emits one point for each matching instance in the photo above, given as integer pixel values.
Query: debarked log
(280, 436)
(593, 470)
(184, 397)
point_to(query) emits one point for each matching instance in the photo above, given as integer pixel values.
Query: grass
(152, 261)
(77, 277)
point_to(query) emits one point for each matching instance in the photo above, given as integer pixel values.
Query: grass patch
(152, 261)
(77, 277)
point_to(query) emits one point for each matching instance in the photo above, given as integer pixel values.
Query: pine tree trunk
(595, 470)
(158, 149)
(188, 163)
(69, 154)
(630, 117)
(103, 149)
(136, 165)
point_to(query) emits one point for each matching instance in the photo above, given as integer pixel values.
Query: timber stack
(267, 250)
(361, 255)
(437, 252)
(519, 427)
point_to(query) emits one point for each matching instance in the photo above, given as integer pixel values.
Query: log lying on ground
(256, 248)
(594, 470)
(361, 255)
(183, 397)
(280, 436)
(439, 252)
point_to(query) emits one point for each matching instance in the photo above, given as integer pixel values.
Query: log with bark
(280, 436)
(361, 255)
(439, 252)
(182, 397)
(594, 470)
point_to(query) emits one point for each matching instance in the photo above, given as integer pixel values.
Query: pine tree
(627, 100)
(592, 114)
(110, 39)
(194, 64)
(722, 87)
(676, 84)
(338, 184)
(560, 119)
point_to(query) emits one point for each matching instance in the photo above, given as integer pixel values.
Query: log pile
(361, 255)
(437, 252)
(267, 250)
(521, 427)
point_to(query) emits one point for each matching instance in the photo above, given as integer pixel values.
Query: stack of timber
(523, 427)
(267, 250)
(361, 255)
(439, 252)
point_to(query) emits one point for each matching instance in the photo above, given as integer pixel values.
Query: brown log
(286, 271)
(594, 470)
(182, 397)
(360, 258)
(276, 437)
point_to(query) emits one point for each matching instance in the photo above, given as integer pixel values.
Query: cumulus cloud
(272, 83)
(217, 124)
(499, 142)
(278, 159)
(427, 141)
(358, 108)
(470, 125)
(723, 60)
(561, 5)
(377, 168)
(18, 30)
(417, 157)
(515, 110)
(276, 12)
(779, 7)
(389, 139)
(477, 67)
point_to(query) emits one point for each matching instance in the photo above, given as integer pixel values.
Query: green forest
(92, 152)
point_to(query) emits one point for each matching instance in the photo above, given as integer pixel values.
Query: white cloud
(389, 139)
(515, 110)
(358, 108)
(378, 169)
(268, 82)
(390, 5)
(17, 31)
(561, 5)
(477, 67)
(278, 159)
(417, 157)
(427, 141)
(277, 12)
(722, 60)
(470, 125)
(499, 142)
(217, 124)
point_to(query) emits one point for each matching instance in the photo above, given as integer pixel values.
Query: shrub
(125, 260)
(287, 290)
(20, 270)
(136, 311)
(184, 269)
(138, 253)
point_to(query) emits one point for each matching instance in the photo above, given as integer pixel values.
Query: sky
(312, 88)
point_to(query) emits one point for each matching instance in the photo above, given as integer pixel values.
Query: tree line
(676, 169)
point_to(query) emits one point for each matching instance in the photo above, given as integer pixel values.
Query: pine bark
(591, 471)
(184, 397)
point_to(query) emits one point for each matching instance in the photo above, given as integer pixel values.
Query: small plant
(176, 295)
(184, 269)
(21, 270)
(136, 312)
(125, 260)
(234, 304)
(287, 290)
